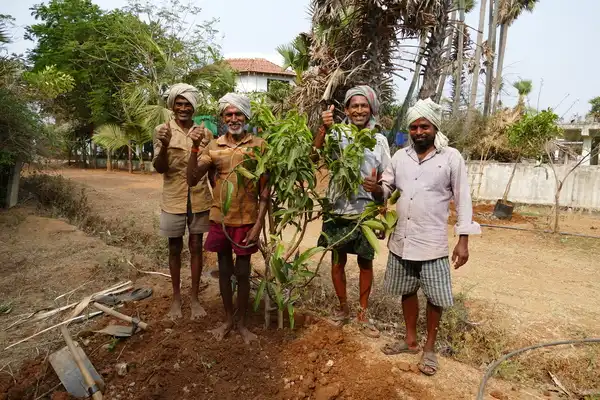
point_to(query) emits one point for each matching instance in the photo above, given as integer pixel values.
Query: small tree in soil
(529, 137)
(295, 202)
(560, 181)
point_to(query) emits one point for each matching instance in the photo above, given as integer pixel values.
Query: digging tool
(75, 370)
(124, 317)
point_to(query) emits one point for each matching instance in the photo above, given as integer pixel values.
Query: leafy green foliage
(50, 82)
(344, 162)
(531, 133)
(595, 110)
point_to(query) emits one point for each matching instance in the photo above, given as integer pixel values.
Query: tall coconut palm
(476, 68)
(489, 70)
(435, 51)
(509, 11)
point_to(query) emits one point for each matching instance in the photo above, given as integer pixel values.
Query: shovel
(75, 371)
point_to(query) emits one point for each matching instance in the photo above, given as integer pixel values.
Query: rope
(496, 364)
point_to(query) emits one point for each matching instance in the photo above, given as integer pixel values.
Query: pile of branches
(357, 42)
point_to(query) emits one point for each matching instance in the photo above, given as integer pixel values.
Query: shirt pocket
(438, 177)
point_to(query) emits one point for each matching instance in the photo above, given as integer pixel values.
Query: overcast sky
(556, 43)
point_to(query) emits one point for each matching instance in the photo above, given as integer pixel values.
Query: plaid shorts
(404, 277)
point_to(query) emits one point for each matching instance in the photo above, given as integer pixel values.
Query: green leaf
(307, 254)
(277, 270)
(373, 241)
(259, 294)
(278, 295)
(228, 196)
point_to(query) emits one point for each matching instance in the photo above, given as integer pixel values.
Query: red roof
(257, 66)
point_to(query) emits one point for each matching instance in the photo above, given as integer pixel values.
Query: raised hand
(198, 134)
(327, 116)
(370, 182)
(164, 134)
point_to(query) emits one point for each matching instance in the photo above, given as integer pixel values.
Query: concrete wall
(536, 185)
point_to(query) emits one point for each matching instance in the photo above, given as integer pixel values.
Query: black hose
(492, 368)
(515, 228)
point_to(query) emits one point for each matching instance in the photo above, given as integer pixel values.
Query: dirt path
(536, 279)
(543, 286)
(182, 360)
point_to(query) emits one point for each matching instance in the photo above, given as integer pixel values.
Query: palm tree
(476, 68)
(509, 11)
(357, 42)
(296, 55)
(489, 70)
(524, 87)
(434, 51)
(136, 127)
(459, 58)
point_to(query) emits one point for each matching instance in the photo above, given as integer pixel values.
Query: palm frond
(111, 137)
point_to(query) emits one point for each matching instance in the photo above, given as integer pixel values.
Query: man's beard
(424, 145)
(236, 132)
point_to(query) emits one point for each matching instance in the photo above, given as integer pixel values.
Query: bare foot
(197, 311)
(175, 311)
(246, 334)
(222, 331)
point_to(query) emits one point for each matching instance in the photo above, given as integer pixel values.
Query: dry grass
(61, 198)
(472, 334)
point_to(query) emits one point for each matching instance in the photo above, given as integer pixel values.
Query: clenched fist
(327, 116)
(200, 134)
(164, 134)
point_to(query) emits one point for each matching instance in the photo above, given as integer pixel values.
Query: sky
(553, 46)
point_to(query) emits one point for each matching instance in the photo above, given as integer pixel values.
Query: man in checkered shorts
(429, 174)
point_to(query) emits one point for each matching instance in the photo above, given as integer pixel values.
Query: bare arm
(161, 161)
(263, 205)
(197, 166)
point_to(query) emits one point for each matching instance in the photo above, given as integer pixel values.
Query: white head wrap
(432, 112)
(184, 90)
(238, 101)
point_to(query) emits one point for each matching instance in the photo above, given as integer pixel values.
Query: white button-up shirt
(427, 187)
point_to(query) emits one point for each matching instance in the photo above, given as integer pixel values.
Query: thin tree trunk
(475, 80)
(510, 180)
(499, 67)
(129, 159)
(459, 58)
(108, 161)
(435, 50)
(489, 74)
(413, 85)
(439, 91)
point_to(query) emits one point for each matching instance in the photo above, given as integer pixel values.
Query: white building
(256, 74)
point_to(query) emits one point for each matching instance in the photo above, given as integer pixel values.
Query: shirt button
(416, 179)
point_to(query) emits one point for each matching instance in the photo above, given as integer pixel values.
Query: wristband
(195, 149)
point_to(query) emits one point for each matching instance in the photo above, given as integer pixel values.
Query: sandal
(369, 330)
(339, 318)
(115, 299)
(429, 363)
(400, 347)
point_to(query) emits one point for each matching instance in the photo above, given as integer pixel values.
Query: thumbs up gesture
(164, 134)
(200, 134)
(370, 182)
(327, 116)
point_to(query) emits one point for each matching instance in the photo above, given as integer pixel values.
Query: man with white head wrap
(361, 107)
(428, 174)
(181, 206)
(237, 230)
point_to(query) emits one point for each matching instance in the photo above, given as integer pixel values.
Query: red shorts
(217, 242)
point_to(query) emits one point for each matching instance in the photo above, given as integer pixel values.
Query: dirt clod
(329, 392)
(403, 366)
(121, 369)
(497, 394)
